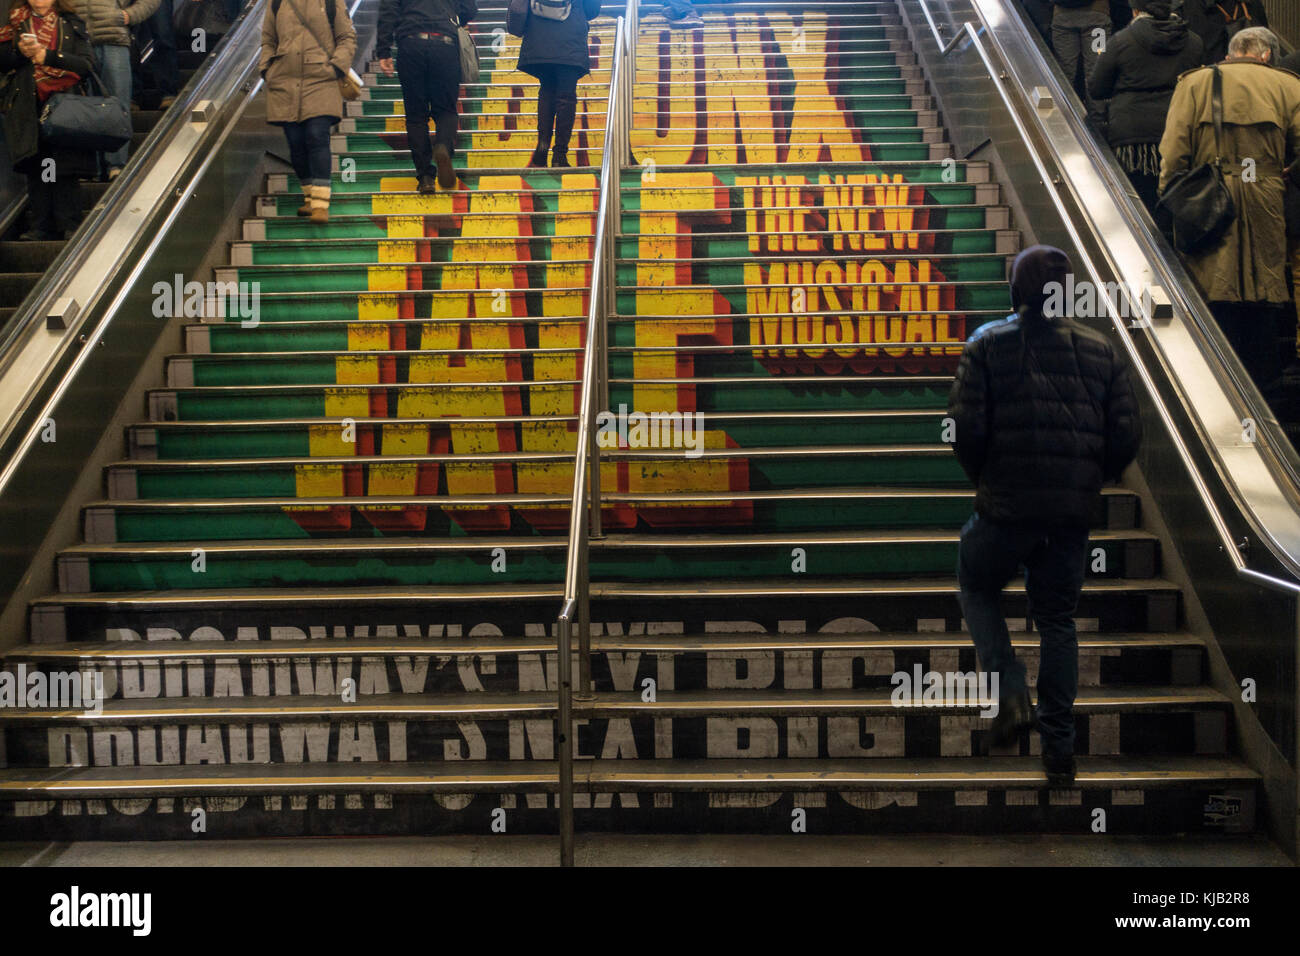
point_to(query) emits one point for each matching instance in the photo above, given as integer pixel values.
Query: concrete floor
(676, 850)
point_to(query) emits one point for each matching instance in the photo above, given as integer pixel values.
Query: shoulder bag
(349, 82)
(85, 121)
(1197, 202)
(469, 68)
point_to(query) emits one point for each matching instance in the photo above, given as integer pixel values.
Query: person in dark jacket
(1080, 29)
(428, 66)
(35, 69)
(1291, 64)
(1218, 21)
(555, 51)
(1044, 414)
(1137, 73)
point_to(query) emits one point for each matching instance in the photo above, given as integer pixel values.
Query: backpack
(1238, 19)
(551, 9)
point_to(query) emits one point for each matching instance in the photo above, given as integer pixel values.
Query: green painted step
(395, 144)
(768, 469)
(829, 510)
(952, 224)
(367, 249)
(767, 392)
(969, 296)
(414, 562)
(935, 176)
(199, 441)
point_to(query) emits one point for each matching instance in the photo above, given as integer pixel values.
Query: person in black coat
(1292, 202)
(555, 51)
(34, 70)
(1044, 413)
(1137, 73)
(1216, 21)
(428, 67)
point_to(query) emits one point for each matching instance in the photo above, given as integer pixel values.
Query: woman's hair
(1160, 9)
(63, 6)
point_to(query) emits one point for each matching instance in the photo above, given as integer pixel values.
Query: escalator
(317, 553)
(23, 263)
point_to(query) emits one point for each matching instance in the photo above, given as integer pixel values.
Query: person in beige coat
(1243, 278)
(302, 87)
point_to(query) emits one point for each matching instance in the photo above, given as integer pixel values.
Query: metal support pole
(564, 739)
(586, 690)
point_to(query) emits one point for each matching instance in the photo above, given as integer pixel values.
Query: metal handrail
(971, 32)
(584, 515)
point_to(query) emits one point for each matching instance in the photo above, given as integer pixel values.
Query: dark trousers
(161, 71)
(309, 149)
(989, 556)
(1072, 40)
(1252, 330)
(429, 71)
(557, 104)
(54, 207)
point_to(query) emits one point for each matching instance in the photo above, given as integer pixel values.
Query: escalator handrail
(40, 360)
(972, 33)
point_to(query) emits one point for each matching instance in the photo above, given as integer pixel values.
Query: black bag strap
(1216, 111)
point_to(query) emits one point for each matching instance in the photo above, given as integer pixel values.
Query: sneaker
(538, 159)
(560, 159)
(1015, 716)
(691, 21)
(39, 235)
(166, 102)
(442, 159)
(114, 173)
(1060, 770)
(427, 185)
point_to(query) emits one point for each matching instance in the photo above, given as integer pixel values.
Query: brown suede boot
(305, 208)
(320, 204)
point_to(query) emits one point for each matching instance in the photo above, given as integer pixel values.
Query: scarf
(49, 79)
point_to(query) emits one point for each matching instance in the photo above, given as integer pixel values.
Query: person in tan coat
(1243, 278)
(305, 52)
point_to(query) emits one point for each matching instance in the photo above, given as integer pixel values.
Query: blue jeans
(309, 149)
(1053, 558)
(114, 65)
(676, 9)
(162, 71)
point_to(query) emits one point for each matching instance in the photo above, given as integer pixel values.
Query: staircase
(323, 582)
(23, 263)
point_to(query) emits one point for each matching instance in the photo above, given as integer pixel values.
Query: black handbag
(1197, 202)
(86, 122)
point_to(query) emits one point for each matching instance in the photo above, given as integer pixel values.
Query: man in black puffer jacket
(1044, 414)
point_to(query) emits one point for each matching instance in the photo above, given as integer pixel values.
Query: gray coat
(103, 18)
(559, 42)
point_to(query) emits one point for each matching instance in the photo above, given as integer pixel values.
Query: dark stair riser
(280, 673)
(913, 732)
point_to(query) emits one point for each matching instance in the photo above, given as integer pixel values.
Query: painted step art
(319, 590)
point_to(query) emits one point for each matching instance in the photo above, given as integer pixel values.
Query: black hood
(1031, 272)
(1160, 36)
